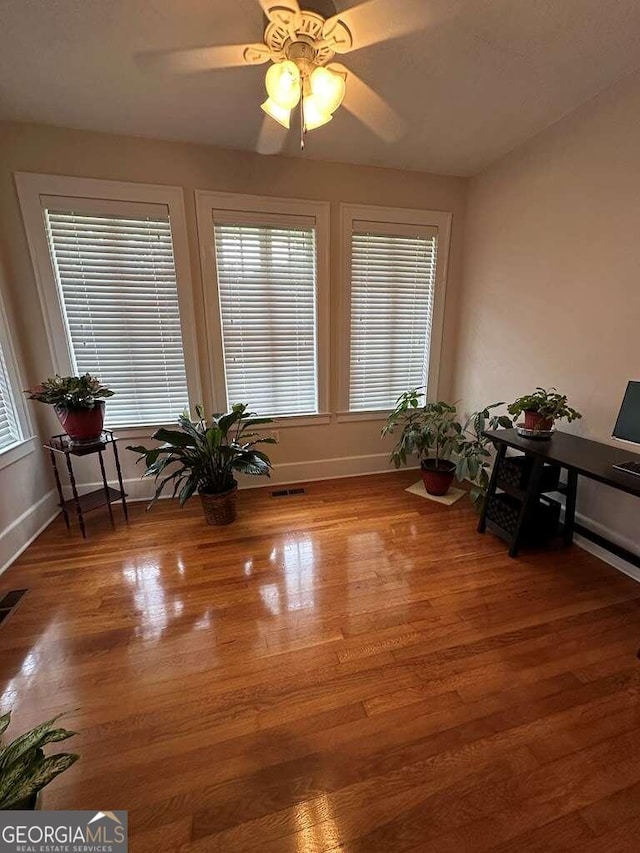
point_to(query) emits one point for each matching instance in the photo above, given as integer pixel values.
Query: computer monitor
(627, 426)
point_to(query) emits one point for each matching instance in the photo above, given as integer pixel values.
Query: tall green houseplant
(430, 432)
(203, 456)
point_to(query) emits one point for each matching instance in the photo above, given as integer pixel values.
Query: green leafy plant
(426, 431)
(24, 768)
(549, 404)
(432, 430)
(205, 455)
(70, 392)
(474, 452)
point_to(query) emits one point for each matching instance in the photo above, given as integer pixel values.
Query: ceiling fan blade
(271, 137)
(380, 20)
(370, 108)
(196, 59)
(284, 12)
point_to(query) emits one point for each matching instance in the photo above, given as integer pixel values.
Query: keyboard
(629, 467)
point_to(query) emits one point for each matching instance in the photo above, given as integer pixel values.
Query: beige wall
(26, 499)
(39, 148)
(551, 291)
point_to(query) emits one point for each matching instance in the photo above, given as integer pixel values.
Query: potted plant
(24, 768)
(542, 408)
(474, 453)
(430, 432)
(206, 455)
(78, 401)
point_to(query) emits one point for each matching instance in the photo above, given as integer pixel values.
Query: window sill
(279, 421)
(282, 421)
(16, 451)
(378, 415)
(139, 430)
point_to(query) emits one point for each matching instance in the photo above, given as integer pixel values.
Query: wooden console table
(527, 504)
(62, 445)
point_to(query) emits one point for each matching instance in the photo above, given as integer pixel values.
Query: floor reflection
(31, 677)
(316, 828)
(297, 559)
(157, 608)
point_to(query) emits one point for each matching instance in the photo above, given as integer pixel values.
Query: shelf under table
(95, 499)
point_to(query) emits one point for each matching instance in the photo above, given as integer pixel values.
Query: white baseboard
(138, 489)
(323, 469)
(21, 532)
(604, 555)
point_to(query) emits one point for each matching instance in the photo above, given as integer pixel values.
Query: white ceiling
(475, 78)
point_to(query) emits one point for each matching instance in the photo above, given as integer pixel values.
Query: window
(10, 431)
(394, 268)
(118, 285)
(265, 276)
(14, 422)
(111, 291)
(266, 283)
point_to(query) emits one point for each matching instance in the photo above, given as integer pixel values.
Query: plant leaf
(5, 719)
(174, 438)
(29, 740)
(37, 777)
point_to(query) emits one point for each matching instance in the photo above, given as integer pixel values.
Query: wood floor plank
(353, 669)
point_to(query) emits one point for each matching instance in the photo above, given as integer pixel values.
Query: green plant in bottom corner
(24, 768)
(206, 454)
(474, 455)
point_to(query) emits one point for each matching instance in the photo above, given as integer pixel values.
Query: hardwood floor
(353, 669)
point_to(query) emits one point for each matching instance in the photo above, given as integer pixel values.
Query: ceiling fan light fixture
(315, 113)
(328, 87)
(284, 84)
(278, 113)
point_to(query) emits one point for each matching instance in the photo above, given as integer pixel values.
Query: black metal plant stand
(105, 496)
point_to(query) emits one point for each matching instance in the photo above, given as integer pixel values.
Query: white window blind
(117, 280)
(267, 289)
(10, 431)
(392, 294)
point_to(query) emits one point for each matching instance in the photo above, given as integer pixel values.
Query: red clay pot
(437, 481)
(532, 420)
(82, 424)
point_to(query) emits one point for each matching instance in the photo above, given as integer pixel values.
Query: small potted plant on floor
(205, 456)
(430, 432)
(78, 401)
(542, 408)
(24, 768)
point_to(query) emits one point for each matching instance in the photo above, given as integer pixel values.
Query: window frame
(25, 443)
(389, 217)
(33, 190)
(264, 210)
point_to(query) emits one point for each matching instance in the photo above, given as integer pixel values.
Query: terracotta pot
(219, 508)
(532, 420)
(437, 480)
(82, 424)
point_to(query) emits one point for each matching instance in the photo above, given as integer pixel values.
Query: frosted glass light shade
(280, 114)
(315, 115)
(328, 87)
(283, 84)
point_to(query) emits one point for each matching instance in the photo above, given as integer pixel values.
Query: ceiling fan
(301, 45)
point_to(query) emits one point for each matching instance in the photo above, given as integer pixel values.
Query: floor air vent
(283, 493)
(9, 602)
